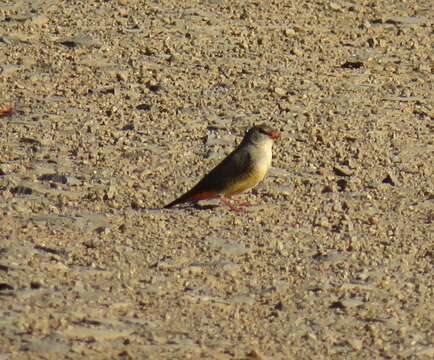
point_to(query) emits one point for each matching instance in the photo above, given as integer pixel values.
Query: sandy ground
(120, 106)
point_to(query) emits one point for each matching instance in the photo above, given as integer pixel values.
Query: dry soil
(120, 106)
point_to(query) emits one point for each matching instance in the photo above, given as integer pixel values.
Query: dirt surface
(120, 106)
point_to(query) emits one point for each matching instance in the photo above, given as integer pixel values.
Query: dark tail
(182, 199)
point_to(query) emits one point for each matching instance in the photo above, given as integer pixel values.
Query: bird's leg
(242, 202)
(226, 201)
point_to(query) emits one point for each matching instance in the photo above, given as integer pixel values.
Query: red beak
(275, 135)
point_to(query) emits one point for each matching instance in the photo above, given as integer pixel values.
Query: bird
(240, 171)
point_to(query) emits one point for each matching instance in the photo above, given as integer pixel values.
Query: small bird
(241, 170)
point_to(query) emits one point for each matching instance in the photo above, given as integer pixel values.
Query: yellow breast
(250, 181)
(261, 157)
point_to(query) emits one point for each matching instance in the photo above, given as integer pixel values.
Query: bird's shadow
(192, 206)
(204, 207)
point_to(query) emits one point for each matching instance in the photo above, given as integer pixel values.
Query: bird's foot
(227, 202)
(242, 202)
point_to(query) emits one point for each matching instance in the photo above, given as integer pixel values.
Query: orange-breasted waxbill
(240, 171)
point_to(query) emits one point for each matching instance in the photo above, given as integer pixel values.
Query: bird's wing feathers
(233, 168)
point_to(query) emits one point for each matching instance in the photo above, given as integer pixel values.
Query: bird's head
(261, 134)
